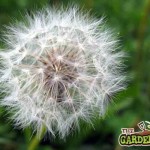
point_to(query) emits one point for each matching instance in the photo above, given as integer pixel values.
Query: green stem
(36, 140)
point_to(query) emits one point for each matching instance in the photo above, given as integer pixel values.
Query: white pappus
(59, 66)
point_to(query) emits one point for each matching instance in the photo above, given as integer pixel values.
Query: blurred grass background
(131, 21)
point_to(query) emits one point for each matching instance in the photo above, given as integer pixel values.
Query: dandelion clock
(59, 67)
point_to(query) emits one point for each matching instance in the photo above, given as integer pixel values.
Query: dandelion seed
(59, 67)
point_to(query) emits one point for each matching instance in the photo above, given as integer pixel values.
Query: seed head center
(59, 73)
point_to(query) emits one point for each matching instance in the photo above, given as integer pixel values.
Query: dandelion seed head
(59, 67)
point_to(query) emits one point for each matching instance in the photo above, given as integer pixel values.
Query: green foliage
(130, 20)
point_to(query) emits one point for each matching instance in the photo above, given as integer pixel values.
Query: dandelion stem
(36, 140)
